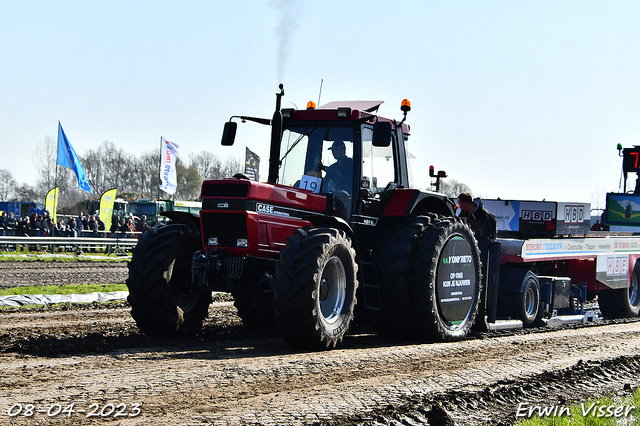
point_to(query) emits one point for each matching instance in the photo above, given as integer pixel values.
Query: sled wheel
(622, 302)
(529, 311)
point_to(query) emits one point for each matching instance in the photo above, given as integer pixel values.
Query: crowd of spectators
(130, 226)
(81, 226)
(31, 225)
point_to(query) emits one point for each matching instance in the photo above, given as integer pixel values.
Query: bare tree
(452, 188)
(109, 167)
(211, 167)
(189, 183)
(44, 160)
(7, 184)
(231, 166)
(208, 165)
(25, 192)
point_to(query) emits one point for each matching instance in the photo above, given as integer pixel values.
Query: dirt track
(91, 356)
(13, 274)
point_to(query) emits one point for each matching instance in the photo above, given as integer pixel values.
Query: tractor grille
(227, 227)
(233, 267)
(225, 190)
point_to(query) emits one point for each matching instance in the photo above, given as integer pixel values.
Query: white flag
(168, 166)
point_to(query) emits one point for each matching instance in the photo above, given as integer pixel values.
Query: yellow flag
(51, 203)
(106, 207)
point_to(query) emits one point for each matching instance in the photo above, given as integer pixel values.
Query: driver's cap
(337, 144)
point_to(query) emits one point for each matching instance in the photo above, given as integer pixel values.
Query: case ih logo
(574, 214)
(537, 215)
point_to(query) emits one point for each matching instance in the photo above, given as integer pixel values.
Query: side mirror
(229, 133)
(382, 134)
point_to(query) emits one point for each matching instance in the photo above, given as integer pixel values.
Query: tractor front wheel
(315, 288)
(163, 303)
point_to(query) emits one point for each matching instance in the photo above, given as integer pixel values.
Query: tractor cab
(342, 150)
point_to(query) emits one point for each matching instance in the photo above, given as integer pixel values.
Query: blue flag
(67, 157)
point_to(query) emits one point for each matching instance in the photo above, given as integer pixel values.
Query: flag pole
(55, 181)
(160, 167)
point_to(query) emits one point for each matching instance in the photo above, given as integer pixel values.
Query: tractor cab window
(294, 152)
(318, 158)
(337, 158)
(378, 169)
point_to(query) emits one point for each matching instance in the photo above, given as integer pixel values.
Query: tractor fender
(336, 222)
(433, 202)
(191, 220)
(403, 202)
(332, 222)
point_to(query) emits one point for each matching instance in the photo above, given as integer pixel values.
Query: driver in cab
(340, 172)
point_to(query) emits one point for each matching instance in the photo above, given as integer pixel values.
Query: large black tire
(527, 306)
(623, 302)
(254, 309)
(315, 288)
(393, 253)
(163, 303)
(446, 281)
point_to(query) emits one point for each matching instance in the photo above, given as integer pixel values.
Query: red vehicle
(327, 238)
(316, 240)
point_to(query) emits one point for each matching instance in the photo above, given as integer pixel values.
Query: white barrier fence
(113, 245)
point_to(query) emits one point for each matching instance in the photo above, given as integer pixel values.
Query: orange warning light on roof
(406, 105)
(311, 105)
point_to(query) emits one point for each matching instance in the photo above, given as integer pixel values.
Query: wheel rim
(332, 290)
(634, 294)
(530, 302)
(185, 300)
(459, 304)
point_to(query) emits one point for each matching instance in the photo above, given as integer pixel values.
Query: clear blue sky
(519, 100)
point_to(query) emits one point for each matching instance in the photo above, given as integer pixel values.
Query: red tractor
(336, 225)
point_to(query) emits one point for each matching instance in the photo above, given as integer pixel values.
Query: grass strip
(66, 257)
(62, 289)
(603, 411)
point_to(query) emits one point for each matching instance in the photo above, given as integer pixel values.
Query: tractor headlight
(212, 241)
(242, 242)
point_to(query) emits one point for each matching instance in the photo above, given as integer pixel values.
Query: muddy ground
(93, 358)
(43, 272)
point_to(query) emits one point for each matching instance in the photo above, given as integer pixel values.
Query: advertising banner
(106, 207)
(252, 165)
(51, 203)
(168, 166)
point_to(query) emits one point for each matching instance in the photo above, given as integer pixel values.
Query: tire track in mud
(15, 274)
(499, 402)
(227, 375)
(253, 378)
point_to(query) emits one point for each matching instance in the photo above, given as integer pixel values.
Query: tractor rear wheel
(315, 288)
(163, 303)
(446, 281)
(393, 252)
(622, 302)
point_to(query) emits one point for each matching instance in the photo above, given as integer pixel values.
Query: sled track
(228, 375)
